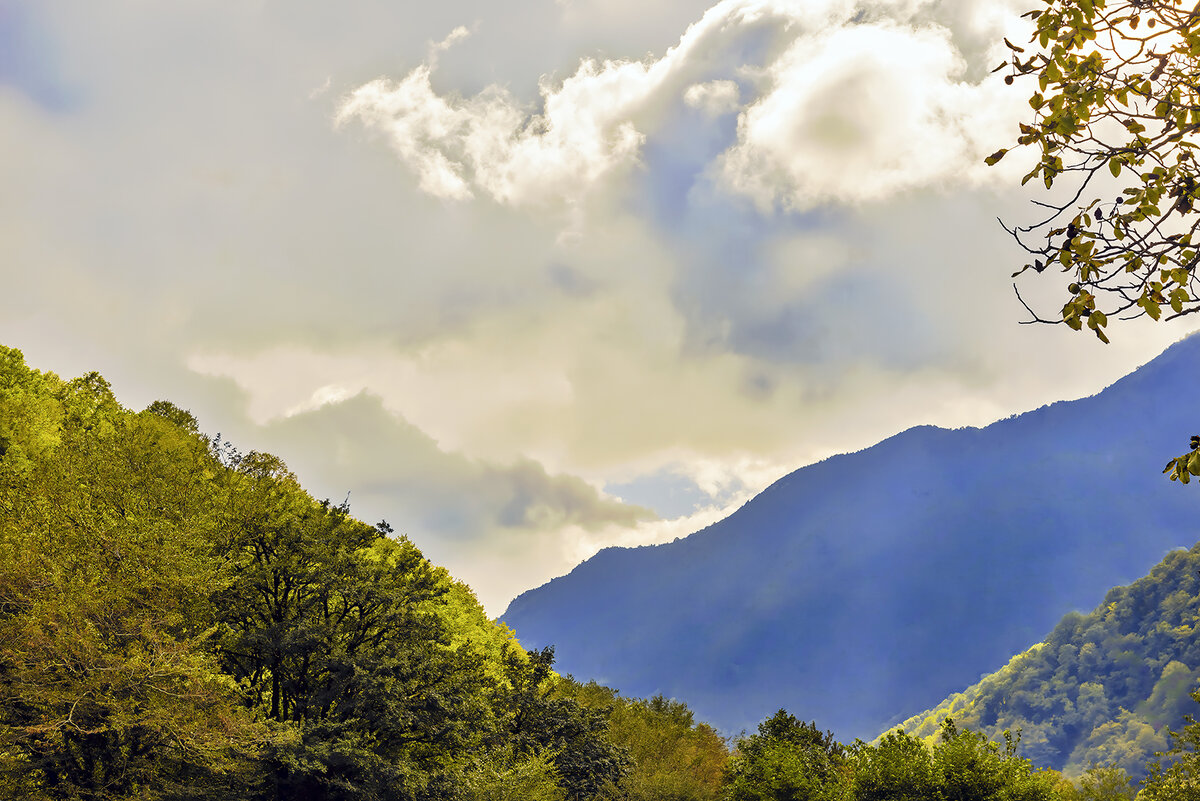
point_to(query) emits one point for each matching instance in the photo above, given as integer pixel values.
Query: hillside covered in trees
(1103, 688)
(181, 620)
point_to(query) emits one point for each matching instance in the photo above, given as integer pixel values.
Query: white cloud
(714, 98)
(855, 104)
(860, 113)
(487, 141)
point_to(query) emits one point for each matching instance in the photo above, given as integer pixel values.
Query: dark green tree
(332, 629)
(538, 718)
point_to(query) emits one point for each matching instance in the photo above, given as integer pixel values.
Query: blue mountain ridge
(864, 588)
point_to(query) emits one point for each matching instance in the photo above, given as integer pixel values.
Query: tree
(108, 687)
(898, 768)
(332, 630)
(1175, 775)
(674, 758)
(540, 717)
(969, 767)
(963, 766)
(1114, 114)
(787, 760)
(1105, 783)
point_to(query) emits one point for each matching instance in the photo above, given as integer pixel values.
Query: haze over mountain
(862, 589)
(1102, 688)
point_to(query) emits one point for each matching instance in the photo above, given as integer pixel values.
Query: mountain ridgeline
(860, 589)
(1104, 687)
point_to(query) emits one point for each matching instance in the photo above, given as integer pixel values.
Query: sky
(530, 279)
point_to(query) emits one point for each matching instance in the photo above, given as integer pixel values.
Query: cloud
(713, 98)
(857, 113)
(489, 143)
(445, 502)
(849, 104)
(194, 226)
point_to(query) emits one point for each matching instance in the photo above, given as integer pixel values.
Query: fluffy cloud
(488, 142)
(853, 114)
(847, 104)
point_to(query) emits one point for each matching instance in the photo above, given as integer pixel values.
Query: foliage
(1106, 783)
(179, 619)
(962, 766)
(898, 768)
(537, 718)
(503, 776)
(1114, 115)
(107, 683)
(674, 758)
(786, 759)
(1102, 687)
(1175, 776)
(329, 626)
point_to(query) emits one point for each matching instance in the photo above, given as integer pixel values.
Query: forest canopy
(179, 619)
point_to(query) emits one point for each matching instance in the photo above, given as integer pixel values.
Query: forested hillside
(835, 592)
(181, 620)
(1103, 687)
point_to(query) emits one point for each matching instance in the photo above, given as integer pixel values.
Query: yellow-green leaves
(1182, 468)
(1115, 110)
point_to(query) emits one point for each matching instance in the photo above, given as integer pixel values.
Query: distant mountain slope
(1103, 687)
(867, 586)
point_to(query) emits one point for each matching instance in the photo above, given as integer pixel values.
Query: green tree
(1113, 118)
(1175, 775)
(332, 630)
(962, 766)
(108, 687)
(787, 760)
(969, 767)
(898, 768)
(540, 716)
(674, 758)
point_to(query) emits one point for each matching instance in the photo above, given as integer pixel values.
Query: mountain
(859, 589)
(1103, 687)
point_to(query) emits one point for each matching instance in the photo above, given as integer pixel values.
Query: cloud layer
(530, 281)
